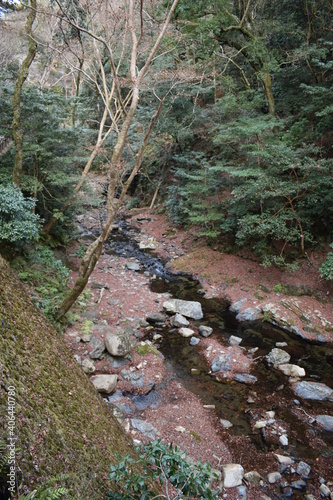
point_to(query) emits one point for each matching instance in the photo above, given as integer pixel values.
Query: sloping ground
(62, 424)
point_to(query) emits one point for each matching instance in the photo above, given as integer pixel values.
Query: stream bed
(241, 404)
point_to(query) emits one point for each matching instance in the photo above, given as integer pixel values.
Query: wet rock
(156, 318)
(233, 340)
(250, 314)
(194, 341)
(277, 357)
(303, 469)
(298, 485)
(232, 475)
(314, 391)
(252, 477)
(326, 421)
(226, 424)
(178, 321)
(242, 492)
(274, 477)
(245, 378)
(221, 363)
(190, 309)
(104, 383)
(88, 366)
(119, 343)
(292, 370)
(205, 331)
(133, 266)
(186, 332)
(145, 428)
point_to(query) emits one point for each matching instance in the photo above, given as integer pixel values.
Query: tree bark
(22, 76)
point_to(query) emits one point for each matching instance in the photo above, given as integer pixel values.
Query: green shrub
(157, 467)
(18, 223)
(326, 269)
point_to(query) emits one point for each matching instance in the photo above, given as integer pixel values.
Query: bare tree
(131, 45)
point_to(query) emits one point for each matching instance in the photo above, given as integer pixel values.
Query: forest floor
(181, 417)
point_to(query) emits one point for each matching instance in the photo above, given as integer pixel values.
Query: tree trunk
(268, 91)
(22, 76)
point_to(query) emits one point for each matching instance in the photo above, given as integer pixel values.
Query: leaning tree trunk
(22, 76)
(94, 251)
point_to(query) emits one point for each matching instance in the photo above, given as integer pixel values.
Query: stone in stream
(194, 341)
(119, 343)
(232, 475)
(303, 469)
(205, 331)
(245, 378)
(233, 340)
(104, 383)
(314, 391)
(188, 308)
(226, 424)
(292, 370)
(326, 421)
(252, 477)
(178, 321)
(221, 363)
(277, 357)
(186, 332)
(150, 243)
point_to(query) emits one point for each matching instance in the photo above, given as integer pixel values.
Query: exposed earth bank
(120, 298)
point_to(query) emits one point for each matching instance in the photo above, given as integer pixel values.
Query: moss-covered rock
(62, 423)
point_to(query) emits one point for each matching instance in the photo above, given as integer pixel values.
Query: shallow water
(230, 398)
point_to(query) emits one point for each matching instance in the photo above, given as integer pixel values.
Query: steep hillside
(62, 424)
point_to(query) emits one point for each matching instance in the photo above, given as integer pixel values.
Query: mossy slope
(62, 424)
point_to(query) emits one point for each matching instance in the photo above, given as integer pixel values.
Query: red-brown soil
(181, 417)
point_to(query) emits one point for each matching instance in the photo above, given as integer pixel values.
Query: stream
(272, 391)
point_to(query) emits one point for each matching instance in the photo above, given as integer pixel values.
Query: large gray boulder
(188, 308)
(118, 343)
(314, 391)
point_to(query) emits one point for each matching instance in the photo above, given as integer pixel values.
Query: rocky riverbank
(152, 402)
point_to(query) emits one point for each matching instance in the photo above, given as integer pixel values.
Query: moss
(195, 435)
(63, 425)
(142, 350)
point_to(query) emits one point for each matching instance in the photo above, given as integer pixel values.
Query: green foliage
(45, 494)
(46, 274)
(54, 149)
(18, 223)
(326, 269)
(157, 466)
